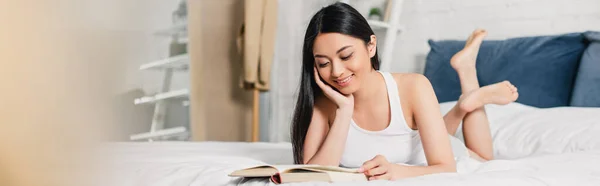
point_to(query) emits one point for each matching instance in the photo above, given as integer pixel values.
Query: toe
(480, 32)
(483, 31)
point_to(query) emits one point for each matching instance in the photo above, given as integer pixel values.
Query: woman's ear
(372, 46)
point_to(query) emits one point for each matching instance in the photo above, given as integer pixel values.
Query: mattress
(557, 146)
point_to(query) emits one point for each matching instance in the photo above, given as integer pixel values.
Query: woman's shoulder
(411, 85)
(410, 80)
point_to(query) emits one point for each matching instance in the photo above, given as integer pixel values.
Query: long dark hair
(338, 18)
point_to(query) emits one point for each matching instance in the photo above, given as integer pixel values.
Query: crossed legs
(469, 108)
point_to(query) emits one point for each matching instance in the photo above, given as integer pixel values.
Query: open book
(301, 173)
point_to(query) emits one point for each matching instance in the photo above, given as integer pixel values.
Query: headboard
(545, 69)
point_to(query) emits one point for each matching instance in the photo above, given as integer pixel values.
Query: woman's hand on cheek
(379, 168)
(342, 101)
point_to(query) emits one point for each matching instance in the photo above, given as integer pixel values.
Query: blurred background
(76, 73)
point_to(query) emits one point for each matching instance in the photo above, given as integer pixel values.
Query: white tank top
(398, 143)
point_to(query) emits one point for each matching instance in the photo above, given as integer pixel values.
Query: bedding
(187, 163)
(557, 146)
(576, 168)
(519, 130)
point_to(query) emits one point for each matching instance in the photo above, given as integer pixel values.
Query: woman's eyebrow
(319, 55)
(341, 49)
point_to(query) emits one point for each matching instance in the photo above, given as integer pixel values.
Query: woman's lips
(344, 82)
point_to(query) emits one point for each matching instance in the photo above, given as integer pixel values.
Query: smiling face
(343, 61)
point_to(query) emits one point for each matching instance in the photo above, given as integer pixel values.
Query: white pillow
(519, 130)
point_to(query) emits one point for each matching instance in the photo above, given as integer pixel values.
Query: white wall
(455, 19)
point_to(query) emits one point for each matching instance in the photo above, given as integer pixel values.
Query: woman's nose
(337, 69)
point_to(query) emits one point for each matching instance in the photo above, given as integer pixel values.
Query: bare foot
(500, 93)
(467, 56)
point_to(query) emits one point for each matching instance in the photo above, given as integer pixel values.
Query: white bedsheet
(188, 163)
(520, 131)
(559, 146)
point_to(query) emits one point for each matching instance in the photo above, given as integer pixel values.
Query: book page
(310, 174)
(283, 168)
(330, 169)
(266, 170)
(340, 176)
(269, 170)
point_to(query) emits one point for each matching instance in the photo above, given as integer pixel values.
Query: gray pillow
(586, 92)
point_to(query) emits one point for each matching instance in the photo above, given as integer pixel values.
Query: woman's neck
(370, 88)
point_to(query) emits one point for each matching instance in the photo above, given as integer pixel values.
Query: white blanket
(558, 146)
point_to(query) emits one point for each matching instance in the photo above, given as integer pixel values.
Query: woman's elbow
(450, 167)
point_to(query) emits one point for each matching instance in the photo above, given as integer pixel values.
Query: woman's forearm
(330, 152)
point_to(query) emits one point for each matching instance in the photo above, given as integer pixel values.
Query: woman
(350, 114)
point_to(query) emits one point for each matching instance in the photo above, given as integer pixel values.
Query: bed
(534, 146)
(550, 136)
